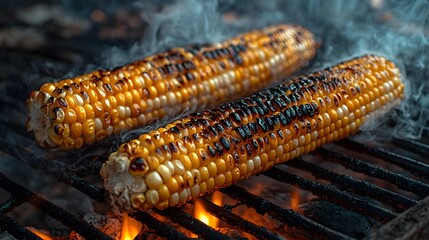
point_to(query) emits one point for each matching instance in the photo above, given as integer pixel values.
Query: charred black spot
(255, 144)
(190, 76)
(236, 157)
(205, 134)
(219, 128)
(249, 149)
(173, 147)
(234, 140)
(280, 134)
(269, 104)
(298, 111)
(282, 119)
(235, 117)
(107, 87)
(219, 148)
(226, 123)
(213, 131)
(62, 102)
(270, 123)
(225, 143)
(247, 131)
(68, 88)
(241, 132)
(58, 129)
(211, 151)
(262, 124)
(309, 109)
(253, 128)
(138, 165)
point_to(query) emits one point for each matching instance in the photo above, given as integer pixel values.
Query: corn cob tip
(39, 121)
(219, 147)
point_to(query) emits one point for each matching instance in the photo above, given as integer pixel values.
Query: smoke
(346, 29)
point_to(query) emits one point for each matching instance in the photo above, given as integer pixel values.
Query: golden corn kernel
(218, 150)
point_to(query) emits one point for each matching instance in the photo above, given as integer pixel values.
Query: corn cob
(88, 108)
(216, 148)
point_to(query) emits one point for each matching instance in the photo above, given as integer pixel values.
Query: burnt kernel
(286, 99)
(280, 103)
(211, 151)
(226, 123)
(280, 134)
(262, 124)
(270, 124)
(253, 110)
(225, 143)
(204, 122)
(175, 130)
(58, 91)
(235, 117)
(249, 149)
(68, 88)
(303, 109)
(213, 131)
(197, 137)
(58, 129)
(308, 123)
(241, 132)
(336, 100)
(173, 147)
(138, 165)
(222, 65)
(219, 148)
(241, 113)
(254, 144)
(107, 87)
(234, 140)
(253, 128)
(282, 119)
(310, 109)
(75, 86)
(290, 112)
(236, 157)
(238, 60)
(219, 128)
(62, 102)
(269, 104)
(205, 134)
(275, 119)
(297, 111)
(190, 76)
(189, 65)
(180, 68)
(247, 131)
(296, 128)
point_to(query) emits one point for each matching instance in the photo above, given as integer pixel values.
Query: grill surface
(357, 195)
(387, 183)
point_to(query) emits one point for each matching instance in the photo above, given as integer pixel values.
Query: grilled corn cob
(216, 148)
(82, 110)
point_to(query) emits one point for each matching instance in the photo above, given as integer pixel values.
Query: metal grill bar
(287, 216)
(412, 224)
(412, 145)
(416, 167)
(9, 204)
(392, 199)
(163, 230)
(332, 194)
(15, 229)
(70, 178)
(194, 225)
(236, 221)
(81, 227)
(405, 183)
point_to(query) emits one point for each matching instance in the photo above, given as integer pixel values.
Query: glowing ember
(201, 213)
(295, 199)
(40, 234)
(130, 228)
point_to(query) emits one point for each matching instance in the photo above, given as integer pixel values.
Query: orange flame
(130, 228)
(40, 234)
(295, 199)
(201, 213)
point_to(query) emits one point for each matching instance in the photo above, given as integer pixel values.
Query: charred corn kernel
(283, 122)
(175, 82)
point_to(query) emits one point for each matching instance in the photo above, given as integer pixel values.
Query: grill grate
(343, 190)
